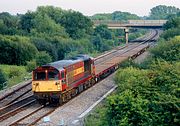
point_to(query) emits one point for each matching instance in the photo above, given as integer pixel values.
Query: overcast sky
(87, 7)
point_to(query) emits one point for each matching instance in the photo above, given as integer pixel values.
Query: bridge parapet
(131, 23)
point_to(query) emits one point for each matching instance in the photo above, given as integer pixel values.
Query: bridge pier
(126, 30)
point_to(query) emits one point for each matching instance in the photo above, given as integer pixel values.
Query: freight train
(59, 81)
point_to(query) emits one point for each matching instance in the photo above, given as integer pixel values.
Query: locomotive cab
(47, 79)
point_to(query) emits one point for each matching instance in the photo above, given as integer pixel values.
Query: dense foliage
(13, 74)
(117, 15)
(16, 50)
(168, 50)
(76, 24)
(172, 27)
(58, 32)
(146, 97)
(163, 12)
(2, 79)
(43, 58)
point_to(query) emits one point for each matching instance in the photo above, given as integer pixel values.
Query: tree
(167, 50)
(43, 58)
(43, 45)
(127, 109)
(54, 13)
(103, 31)
(172, 23)
(143, 93)
(172, 27)
(16, 50)
(102, 17)
(8, 24)
(117, 15)
(162, 12)
(31, 65)
(76, 24)
(26, 21)
(44, 25)
(170, 33)
(97, 41)
(123, 16)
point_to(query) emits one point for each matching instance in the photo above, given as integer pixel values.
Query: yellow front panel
(46, 86)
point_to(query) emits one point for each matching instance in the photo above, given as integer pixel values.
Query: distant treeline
(57, 32)
(157, 13)
(54, 34)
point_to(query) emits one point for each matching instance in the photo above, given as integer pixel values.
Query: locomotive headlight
(58, 85)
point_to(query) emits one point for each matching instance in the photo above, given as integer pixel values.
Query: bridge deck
(131, 23)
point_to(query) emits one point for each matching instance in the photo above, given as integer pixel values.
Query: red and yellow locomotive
(59, 81)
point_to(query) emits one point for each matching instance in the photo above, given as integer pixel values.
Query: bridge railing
(131, 22)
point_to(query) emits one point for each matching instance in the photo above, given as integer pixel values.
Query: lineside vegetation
(148, 93)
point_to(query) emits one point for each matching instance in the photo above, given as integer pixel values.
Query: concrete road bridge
(131, 24)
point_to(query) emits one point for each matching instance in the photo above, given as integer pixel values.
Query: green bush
(133, 79)
(98, 117)
(127, 109)
(31, 65)
(16, 50)
(166, 76)
(170, 33)
(167, 50)
(13, 74)
(10, 70)
(43, 45)
(43, 58)
(155, 93)
(2, 79)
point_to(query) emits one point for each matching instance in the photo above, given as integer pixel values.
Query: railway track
(14, 108)
(115, 58)
(37, 113)
(126, 48)
(34, 116)
(15, 95)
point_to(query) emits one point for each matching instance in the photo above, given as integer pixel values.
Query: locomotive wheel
(68, 94)
(74, 92)
(60, 99)
(93, 81)
(64, 98)
(42, 101)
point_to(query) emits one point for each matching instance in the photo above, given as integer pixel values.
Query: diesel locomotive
(59, 81)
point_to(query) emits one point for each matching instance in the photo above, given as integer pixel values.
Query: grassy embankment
(14, 74)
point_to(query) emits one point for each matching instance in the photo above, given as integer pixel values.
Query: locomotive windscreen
(40, 75)
(51, 74)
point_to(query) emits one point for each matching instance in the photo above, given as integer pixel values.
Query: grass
(98, 116)
(14, 74)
